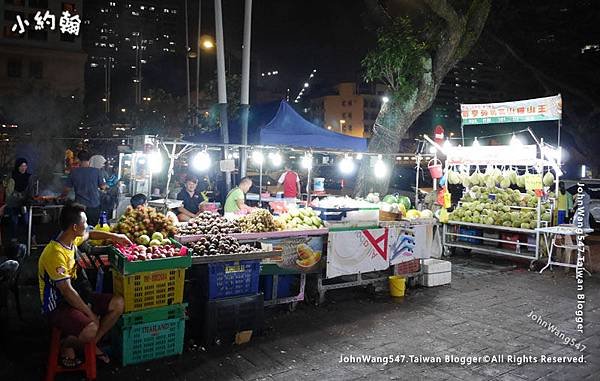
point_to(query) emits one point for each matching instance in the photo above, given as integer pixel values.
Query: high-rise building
(350, 111)
(45, 57)
(131, 35)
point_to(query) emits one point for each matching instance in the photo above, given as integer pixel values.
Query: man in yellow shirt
(564, 204)
(61, 303)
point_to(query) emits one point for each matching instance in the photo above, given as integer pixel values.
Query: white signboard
(492, 155)
(357, 251)
(530, 110)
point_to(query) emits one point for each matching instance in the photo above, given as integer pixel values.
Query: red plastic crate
(408, 267)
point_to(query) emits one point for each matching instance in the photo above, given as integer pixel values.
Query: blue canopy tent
(288, 128)
(259, 116)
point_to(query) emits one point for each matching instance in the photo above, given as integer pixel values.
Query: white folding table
(555, 231)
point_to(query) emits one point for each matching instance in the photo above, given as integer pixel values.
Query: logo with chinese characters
(68, 23)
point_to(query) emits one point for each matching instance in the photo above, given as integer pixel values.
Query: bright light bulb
(380, 169)
(385, 99)
(306, 84)
(202, 161)
(307, 161)
(276, 159)
(515, 142)
(476, 143)
(258, 157)
(447, 144)
(346, 165)
(155, 162)
(359, 156)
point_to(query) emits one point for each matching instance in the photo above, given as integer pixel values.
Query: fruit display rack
(258, 236)
(201, 260)
(453, 238)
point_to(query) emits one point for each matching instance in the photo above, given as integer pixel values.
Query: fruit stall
(508, 196)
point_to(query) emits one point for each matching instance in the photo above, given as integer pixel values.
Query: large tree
(555, 53)
(415, 50)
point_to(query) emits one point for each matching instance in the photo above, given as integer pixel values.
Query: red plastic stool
(54, 367)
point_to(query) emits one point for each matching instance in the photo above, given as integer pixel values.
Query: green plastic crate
(122, 265)
(174, 311)
(149, 341)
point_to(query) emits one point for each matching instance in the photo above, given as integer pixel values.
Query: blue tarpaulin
(288, 128)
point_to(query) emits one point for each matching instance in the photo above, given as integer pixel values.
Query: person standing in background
(18, 190)
(87, 181)
(564, 204)
(291, 183)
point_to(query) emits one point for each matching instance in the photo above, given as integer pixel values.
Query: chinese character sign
(68, 23)
(549, 108)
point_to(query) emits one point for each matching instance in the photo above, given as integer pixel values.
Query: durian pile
(494, 177)
(498, 206)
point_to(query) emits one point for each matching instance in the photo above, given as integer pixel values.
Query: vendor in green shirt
(236, 197)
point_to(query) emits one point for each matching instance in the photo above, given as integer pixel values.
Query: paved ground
(483, 312)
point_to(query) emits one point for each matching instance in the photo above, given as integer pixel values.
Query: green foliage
(233, 87)
(398, 59)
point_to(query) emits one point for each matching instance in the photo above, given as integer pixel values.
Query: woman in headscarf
(19, 189)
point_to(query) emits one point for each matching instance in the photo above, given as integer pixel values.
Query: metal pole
(417, 180)
(260, 173)
(462, 132)
(198, 62)
(245, 92)
(221, 83)
(187, 58)
(108, 92)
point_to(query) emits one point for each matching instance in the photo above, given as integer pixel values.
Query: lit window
(142, 7)
(151, 8)
(174, 11)
(165, 10)
(134, 13)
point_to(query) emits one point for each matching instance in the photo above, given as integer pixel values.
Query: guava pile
(299, 219)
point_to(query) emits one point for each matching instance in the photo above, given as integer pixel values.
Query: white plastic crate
(436, 273)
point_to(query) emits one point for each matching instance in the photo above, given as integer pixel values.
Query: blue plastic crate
(285, 285)
(471, 232)
(226, 279)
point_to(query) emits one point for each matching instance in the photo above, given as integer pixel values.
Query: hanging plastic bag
(440, 196)
(444, 179)
(447, 199)
(443, 215)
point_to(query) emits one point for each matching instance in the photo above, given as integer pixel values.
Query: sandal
(103, 357)
(70, 362)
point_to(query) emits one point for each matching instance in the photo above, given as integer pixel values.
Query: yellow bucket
(397, 285)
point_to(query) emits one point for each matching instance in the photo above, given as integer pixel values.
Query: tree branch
(445, 11)
(474, 22)
(542, 77)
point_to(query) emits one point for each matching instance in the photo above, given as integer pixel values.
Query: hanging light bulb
(476, 143)
(155, 162)
(202, 161)
(346, 165)
(515, 142)
(307, 161)
(258, 157)
(276, 159)
(380, 168)
(359, 156)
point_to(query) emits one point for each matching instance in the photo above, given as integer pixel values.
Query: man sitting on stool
(61, 303)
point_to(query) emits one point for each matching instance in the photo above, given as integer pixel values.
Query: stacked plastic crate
(153, 323)
(232, 307)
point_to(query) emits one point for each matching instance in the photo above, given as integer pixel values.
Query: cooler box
(492, 235)
(471, 232)
(436, 272)
(510, 237)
